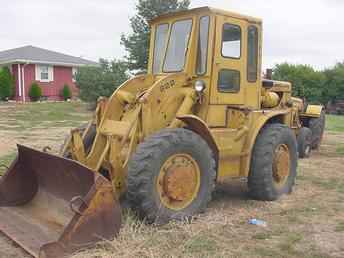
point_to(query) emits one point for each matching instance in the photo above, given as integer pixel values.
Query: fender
(263, 118)
(313, 111)
(198, 126)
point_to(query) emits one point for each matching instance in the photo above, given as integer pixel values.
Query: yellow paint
(270, 100)
(314, 110)
(228, 121)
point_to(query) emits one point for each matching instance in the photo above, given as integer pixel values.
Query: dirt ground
(307, 223)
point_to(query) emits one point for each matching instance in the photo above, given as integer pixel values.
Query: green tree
(7, 84)
(66, 93)
(35, 92)
(306, 82)
(334, 83)
(94, 82)
(137, 43)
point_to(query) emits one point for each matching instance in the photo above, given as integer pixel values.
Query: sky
(297, 31)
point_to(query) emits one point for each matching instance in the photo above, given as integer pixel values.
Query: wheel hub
(179, 181)
(281, 165)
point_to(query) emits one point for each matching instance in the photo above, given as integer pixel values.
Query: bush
(94, 82)
(35, 92)
(66, 92)
(7, 84)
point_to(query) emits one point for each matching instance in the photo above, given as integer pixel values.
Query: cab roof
(205, 9)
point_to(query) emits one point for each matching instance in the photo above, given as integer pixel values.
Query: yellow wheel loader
(202, 114)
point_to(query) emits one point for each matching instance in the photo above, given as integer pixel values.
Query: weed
(6, 160)
(340, 150)
(289, 242)
(266, 252)
(340, 227)
(201, 244)
(262, 236)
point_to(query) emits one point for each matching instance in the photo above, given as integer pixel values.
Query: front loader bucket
(53, 206)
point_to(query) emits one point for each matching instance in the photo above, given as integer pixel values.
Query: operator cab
(219, 48)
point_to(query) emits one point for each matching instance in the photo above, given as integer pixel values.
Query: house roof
(31, 54)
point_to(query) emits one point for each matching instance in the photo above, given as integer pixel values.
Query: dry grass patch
(303, 224)
(177, 239)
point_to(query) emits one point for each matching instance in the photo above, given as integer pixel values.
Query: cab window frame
(207, 46)
(229, 70)
(155, 47)
(257, 53)
(187, 45)
(222, 41)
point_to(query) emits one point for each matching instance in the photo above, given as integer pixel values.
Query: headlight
(199, 86)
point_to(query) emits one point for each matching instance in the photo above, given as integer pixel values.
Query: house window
(44, 73)
(74, 72)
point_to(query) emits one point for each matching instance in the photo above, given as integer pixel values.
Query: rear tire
(273, 163)
(317, 126)
(304, 142)
(149, 176)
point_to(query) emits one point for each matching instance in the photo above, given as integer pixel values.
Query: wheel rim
(179, 181)
(281, 165)
(308, 147)
(308, 150)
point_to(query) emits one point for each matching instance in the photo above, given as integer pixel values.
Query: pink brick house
(51, 70)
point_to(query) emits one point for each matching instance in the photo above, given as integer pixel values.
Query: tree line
(319, 87)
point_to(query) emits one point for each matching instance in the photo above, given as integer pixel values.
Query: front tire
(171, 176)
(273, 163)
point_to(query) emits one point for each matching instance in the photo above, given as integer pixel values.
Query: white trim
(74, 72)
(47, 62)
(23, 78)
(51, 73)
(19, 80)
(38, 73)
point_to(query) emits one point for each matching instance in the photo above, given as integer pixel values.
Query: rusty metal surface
(35, 205)
(179, 181)
(281, 165)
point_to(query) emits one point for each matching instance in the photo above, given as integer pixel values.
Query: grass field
(308, 223)
(335, 123)
(37, 125)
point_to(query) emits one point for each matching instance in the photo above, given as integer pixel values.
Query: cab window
(159, 46)
(178, 46)
(231, 41)
(252, 53)
(229, 81)
(202, 52)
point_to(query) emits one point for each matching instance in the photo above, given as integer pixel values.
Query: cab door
(229, 72)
